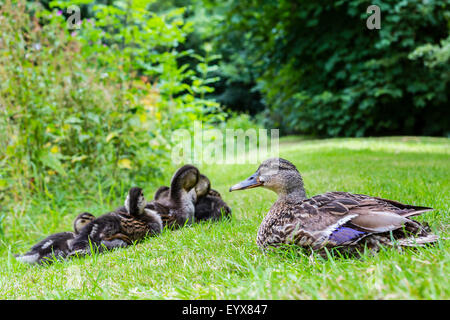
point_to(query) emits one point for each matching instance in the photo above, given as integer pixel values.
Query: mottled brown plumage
(120, 228)
(333, 219)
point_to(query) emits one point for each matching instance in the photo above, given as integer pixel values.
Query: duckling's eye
(82, 220)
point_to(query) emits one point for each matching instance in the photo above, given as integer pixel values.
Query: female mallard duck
(333, 219)
(56, 245)
(177, 207)
(119, 228)
(209, 204)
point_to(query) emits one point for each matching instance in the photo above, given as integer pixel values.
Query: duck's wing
(372, 214)
(164, 211)
(214, 193)
(338, 218)
(122, 210)
(369, 215)
(407, 210)
(109, 241)
(137, 228)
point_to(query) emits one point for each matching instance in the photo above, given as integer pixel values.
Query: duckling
(119, 228)
(334, 219)
(209, 204)
(162, 192)
(175, 205)
(146, 221)
(56, 245)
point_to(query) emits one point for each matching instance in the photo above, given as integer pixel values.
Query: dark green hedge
(321, 71)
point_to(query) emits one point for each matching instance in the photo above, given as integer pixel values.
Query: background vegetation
(313, 67)
(319, 70)
(86, 113)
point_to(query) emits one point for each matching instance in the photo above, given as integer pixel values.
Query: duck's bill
(250, 182)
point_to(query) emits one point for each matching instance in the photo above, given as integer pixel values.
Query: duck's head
(81, 221)
(184, 179)
(203, 186)
(135, 201)
(276, 174)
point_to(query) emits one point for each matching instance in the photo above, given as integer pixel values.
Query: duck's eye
(82, 220)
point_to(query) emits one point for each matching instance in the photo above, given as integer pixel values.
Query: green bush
(94, 107)
(321, 71)
(240, 121)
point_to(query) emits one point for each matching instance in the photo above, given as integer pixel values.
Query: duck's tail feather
(416, 212)
(28, 258)
(418, 241)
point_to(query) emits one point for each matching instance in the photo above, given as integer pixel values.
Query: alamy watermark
(73, 278)
(374, 21)
(73, 22)
(74, 18)
(213, 146)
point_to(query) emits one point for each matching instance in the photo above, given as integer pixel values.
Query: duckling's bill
(251, 182)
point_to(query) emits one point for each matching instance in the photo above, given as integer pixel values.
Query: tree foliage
(98, 103)
(321, 71)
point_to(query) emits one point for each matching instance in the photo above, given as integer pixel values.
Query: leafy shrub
(94, 106)
(240, 121)
(321, 71)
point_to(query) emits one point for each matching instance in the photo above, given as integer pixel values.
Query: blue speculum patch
(344, 234)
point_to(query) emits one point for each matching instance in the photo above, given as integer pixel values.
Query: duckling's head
(81, 221)
(203, 186)
(184, 179)
(276, 174)
(135, 201)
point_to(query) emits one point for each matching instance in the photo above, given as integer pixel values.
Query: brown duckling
(176, 208)
(119, 228)
(209, 204)
(55, 246)
(334, 219)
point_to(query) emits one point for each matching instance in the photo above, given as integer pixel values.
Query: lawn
(221, 260)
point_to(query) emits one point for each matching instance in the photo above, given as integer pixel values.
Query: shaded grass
(222, 261)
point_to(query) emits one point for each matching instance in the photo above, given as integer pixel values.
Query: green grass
(222, 261)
